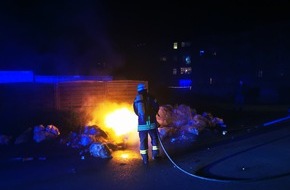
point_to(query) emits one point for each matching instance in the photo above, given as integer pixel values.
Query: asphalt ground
(253, 154)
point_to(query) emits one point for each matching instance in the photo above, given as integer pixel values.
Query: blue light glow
(56, 79)
(201, 52)
(187, 60)
(185, 82)
(16, 76)
(28, 76)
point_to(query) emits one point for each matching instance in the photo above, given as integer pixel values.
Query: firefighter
(146, 107)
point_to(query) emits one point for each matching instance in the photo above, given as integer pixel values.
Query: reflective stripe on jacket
(147, 126)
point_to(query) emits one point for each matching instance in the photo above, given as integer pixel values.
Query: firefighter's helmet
(140, 87)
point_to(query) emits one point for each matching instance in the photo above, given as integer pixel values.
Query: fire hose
(214, 179)
(184, 171)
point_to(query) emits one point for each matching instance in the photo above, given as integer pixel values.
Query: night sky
(84, 36)
(186, 19)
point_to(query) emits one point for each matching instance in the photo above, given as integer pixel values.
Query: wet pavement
(250, 156)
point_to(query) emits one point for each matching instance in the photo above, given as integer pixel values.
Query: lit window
(201, 52)
(210, 81)
(174, 71)
(185, 70)
(260, 73)
(175, 45)
(185, 44)
(164, 59)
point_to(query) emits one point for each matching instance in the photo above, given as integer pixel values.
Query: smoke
(63, 37)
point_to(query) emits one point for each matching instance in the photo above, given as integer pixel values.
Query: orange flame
(118, 120)
(122, 121)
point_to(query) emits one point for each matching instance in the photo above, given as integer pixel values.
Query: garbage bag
(100, 150)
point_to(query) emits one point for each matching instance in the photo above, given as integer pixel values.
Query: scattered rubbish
(100, 150)
(23, 159)
(38, 133)
(41, 133)
(42, 158)
(182, 123)
(24, 137)
(93, 141)
(17, 159)
(5, 139)
(27, 159)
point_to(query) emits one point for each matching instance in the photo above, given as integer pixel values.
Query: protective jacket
(146, 107)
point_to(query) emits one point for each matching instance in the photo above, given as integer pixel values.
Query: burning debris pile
(181, 122)
(92, 140)
(119, 129)
(39, 133)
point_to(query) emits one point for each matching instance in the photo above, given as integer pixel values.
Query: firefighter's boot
(145, 158)
(155, 154)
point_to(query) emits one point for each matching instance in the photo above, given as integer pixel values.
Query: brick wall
(80, 94)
